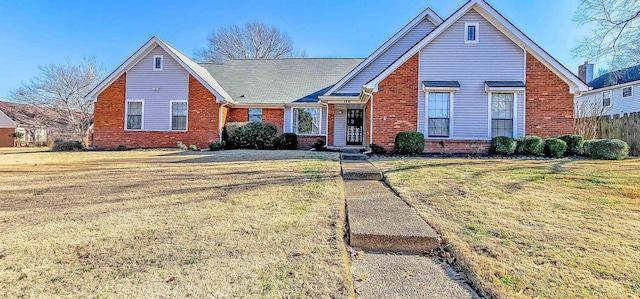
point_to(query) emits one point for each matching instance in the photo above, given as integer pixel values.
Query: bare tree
(62, 87)
(588, 114)
(253, 41)
(615, 38)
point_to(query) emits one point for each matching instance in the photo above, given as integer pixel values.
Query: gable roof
(6, 121)
(191, 66)
(427, 13)
(617, 77)
(280, 81)
(502, 24)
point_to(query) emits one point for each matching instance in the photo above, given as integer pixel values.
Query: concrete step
(359, 170)
(380, 220)
(350, 157)
(379, 275)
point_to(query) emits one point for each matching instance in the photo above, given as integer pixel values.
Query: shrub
(121, 147)
(606, 149)
(182, 146)
(377, 149)
(503, 145)
(529, 145)
(575, 144)
(193, 147)
(409, 142)
(319, 145)
(216, 146)
(554, 147)
(66, 146)
(289, 141)
(230, 133)
(254, 135)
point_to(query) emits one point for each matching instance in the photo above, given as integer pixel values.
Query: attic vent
(243, 96)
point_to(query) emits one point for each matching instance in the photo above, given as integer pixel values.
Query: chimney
(585, 72)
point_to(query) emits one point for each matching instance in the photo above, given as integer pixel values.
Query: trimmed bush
(319, 145)
(575, 144)
(529, 146)
(606, 149)
(67, 146)
(409, 142)
(377, 149)
(216, 146)
(289, 141)
(193, 147)
(182, 146)
(554, 147)
(503, 145)
(254, 135)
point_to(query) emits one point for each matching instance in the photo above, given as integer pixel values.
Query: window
(306, 121)
(471, 32)
(606, 98)
(179, 115)
(627, 92)
(502, 114)
(255, 115)
(134, 115)
(157, 62)
(438, 120)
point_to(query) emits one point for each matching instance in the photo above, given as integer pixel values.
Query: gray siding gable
(172, 83)
(5, 121)
(449, 58)
(388, 56)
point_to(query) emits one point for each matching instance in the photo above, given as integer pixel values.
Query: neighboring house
(460, 81)
(616, 92)
(38, 125)
(7, 127)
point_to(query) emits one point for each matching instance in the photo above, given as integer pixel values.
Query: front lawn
(545, 229)
(171, 224)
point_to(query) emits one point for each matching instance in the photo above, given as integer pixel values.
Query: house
(38, 125)
(616, 92)
(7, 128)
(460, 81)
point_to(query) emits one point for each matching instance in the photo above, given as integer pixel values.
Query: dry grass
(543, 229)
(166, 224)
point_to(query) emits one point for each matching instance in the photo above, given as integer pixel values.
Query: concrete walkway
(380, 221)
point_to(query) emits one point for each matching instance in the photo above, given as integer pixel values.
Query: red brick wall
(5, 139)
(331, 110)
(109, 120)
(306, 142)
(397, 100)
(549, 104)
(269, 115)
(456, 147)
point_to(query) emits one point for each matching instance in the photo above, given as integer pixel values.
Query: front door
(354, 126)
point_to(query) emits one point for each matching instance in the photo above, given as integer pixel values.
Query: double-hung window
(157, 62)
(471, 32)
(606, 98)
(439, 114)
(306, 121)
(627, 92)
(255, 115)
(179, 110)
(502, 114)
(135, 109)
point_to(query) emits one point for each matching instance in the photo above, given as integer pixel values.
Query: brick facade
(456, 146)
(549, 105)
(5, 139)
(269, 115)
(331, 110)
(109, 120)
(306, 142)
(395, 105)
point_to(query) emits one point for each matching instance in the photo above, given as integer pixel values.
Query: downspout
(220, 126)
(364, 91)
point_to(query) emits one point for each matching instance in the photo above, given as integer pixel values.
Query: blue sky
(35, 33)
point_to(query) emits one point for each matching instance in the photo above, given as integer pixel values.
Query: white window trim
(249, 114)
(293, 120)
(126, 115)
(451, 92)
(515, 112)
(466, 32)
(610, 95)
(161, 62)
(631, 92)
(171, 115)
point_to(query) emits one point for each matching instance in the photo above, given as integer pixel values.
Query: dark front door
(354, 126)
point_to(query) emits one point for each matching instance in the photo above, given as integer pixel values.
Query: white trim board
(427, 13)
(502, 24)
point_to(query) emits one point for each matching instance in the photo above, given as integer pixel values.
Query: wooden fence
(625, 127)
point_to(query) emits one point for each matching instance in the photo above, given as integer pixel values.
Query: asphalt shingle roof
(622, 76)
(280, 81)
(441, 83)
(505, 83)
